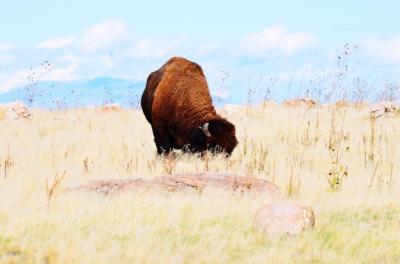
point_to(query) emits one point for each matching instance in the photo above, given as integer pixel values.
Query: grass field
(338, 161)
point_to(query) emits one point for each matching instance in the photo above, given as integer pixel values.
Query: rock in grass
(111, 107)
(302, 102)
(111, 186)
(384, 108)
(284, 217)
(19, 110)
(178, 182)
(225, 181)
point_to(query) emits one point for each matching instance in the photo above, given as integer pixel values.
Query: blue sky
(246, 39)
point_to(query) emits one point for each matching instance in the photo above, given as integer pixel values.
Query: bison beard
(178, 105)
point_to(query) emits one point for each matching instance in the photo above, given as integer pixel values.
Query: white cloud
(104, 35)
(387, 50)
(153, 49)
(207, 48)
(5, 47)
(70, 58)
(6, 58)
(62, 74)
(307, 72)
(17, 79)
(24, 77)
(276, 39)
(56, 43)
(107, 61)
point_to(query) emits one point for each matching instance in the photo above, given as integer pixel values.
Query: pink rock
(178, 182)
(384, 108)
(111, 108)
(302, 102)
(284, 217)
(20, 110)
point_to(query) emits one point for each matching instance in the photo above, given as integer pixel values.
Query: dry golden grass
(336, 160)
(3, 113)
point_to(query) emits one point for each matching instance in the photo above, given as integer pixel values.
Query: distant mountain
(74, 94)
(101, 90)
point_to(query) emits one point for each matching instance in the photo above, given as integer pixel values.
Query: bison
(177, 104)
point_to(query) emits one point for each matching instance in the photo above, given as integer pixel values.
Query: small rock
(111, 108)
(284, 217)
(19, 110)
(384, 108)
(302, 102)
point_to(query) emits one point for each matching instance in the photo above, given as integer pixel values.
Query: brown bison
(178, 105)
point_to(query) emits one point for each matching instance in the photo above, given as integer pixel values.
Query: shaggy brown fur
(177, 104)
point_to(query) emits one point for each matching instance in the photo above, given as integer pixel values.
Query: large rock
(226, 181)
(178, 182)
(284, 217)
(108, 187)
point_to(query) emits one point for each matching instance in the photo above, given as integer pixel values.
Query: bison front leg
(161, 138)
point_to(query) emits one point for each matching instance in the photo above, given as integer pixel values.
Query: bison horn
(205, 130)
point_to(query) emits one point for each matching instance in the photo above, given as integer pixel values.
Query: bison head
(216, 135)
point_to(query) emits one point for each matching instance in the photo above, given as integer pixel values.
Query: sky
(236, 42)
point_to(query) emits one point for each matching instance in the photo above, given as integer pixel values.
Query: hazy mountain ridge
(74, 94)
(97, 91)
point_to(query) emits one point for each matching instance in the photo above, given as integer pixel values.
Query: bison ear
(219, 126)
(197, 138)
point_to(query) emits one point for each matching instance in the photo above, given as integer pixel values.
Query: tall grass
(338, 161)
